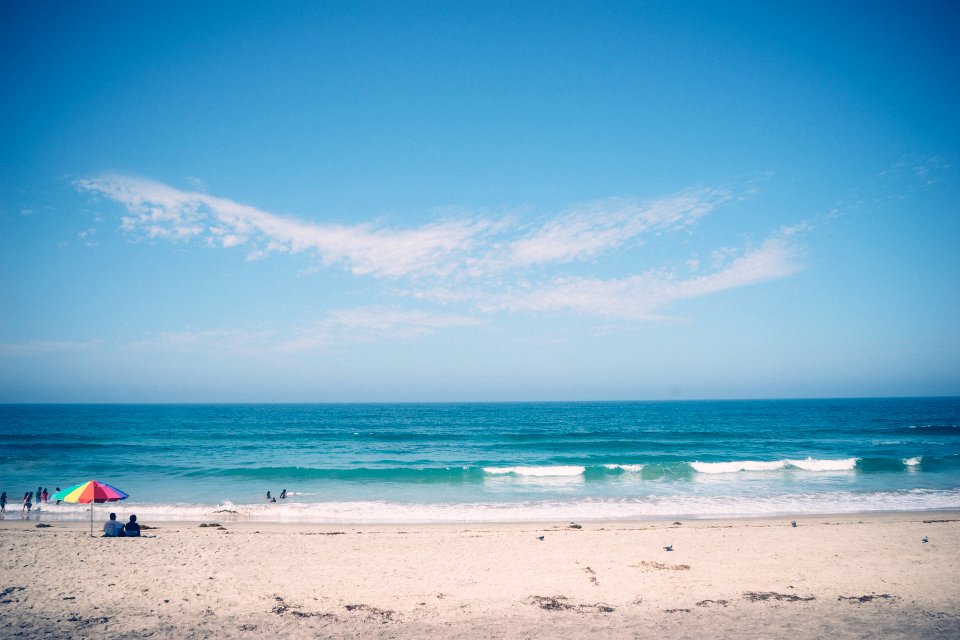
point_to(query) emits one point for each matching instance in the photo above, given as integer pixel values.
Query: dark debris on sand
(373, 612)
(646, 564)
(282, 608)
(324, 533)
(762, 596)
(706, 603)
(560, 603)
(869, 597)
(9, 591)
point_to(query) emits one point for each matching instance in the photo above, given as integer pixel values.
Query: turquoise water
(491, 462)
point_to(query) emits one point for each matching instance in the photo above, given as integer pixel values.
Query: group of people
(113, 528)
(283, 496)
(29, 499)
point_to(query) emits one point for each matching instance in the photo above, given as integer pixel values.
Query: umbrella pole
(91, 519)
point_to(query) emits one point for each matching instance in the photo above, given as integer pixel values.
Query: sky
(478, 201)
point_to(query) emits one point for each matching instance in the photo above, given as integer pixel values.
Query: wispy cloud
(373, 323)
(35, 347)
(469, 246)
(359, 324)
(159, 211)
(637, 297)
(591, 230)
(482, 264)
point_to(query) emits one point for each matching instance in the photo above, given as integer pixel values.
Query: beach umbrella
(89, 492)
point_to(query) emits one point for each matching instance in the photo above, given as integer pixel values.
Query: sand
(838, 576)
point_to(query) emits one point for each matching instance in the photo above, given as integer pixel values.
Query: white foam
(737, 465)
(630, 468)
(636, 508)
(813, 464)
(536, 472)
(912, 462)
(808, 464)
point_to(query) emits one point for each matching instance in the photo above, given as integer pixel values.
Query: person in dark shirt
(131, 529)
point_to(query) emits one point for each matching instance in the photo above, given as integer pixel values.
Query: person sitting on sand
(112, 528)
(132, 529)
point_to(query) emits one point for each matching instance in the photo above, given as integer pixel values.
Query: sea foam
(629, 468)
(807, 464)
(637, 508)
(736, 466)
(813, 464)
(537, 472)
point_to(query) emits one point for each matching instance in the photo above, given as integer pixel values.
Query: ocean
(489, 462)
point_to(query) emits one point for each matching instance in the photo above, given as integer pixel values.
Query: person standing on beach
(38, 494)
(57, 491)
(27, 502)
(45, 495)
(3, 503)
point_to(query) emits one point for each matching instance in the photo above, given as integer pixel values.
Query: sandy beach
(842, 576)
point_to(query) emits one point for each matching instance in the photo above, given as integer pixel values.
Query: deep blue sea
(409, 463)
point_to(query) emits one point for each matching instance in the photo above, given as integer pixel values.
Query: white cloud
(34, 347)
(361, 324)
(590, 230)
(636, 297)
(481, 263)
(468, 246)
(160, 211)
(373, 323)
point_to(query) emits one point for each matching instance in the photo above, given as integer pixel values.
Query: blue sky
(438, 201)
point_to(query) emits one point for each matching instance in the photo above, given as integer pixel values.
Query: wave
(536, 472)
(736, 466)
(811, 464)
(635, 508)
(356, 474)
(679, 470)
(933, 429)
(807, 464)
(628, 468)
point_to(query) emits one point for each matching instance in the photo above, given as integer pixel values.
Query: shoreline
(80, 514)
(845, 575)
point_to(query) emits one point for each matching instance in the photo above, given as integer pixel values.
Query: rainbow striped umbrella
(89, 492)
